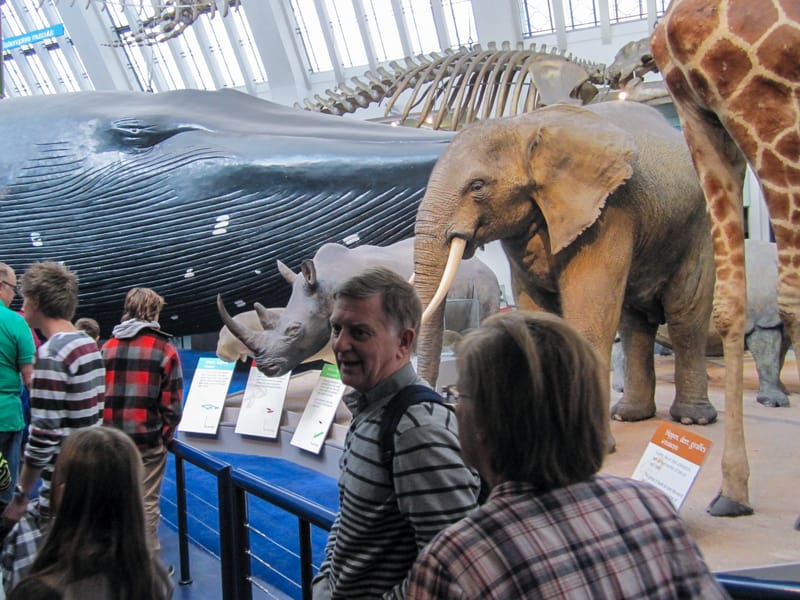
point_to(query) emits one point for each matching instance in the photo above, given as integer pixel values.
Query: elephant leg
(638, 399)
(691, 404)
(765, 346)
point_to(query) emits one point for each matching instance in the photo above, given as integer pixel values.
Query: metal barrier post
(183, 527)
(241, 543)
(306, 559)
(227, 548)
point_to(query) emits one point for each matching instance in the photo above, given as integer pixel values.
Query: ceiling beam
(91, 33)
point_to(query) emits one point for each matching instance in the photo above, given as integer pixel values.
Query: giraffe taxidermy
(733, 70)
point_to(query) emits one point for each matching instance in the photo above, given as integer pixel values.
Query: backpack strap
(393, 411)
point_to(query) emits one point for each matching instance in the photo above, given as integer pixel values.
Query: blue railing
(233, 488)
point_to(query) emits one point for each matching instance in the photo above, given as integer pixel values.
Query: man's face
(8, 286)
(367, 348)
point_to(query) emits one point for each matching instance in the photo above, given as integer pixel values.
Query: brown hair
(541, 395)
(142, 304)
(53, 288)
(89, 326)
(99, 519)
(400, 303)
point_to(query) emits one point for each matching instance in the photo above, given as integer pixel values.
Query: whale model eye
(137, 135)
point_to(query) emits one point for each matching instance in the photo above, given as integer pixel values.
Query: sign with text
(203, 407)
(312, 429)
(262, 404)
(32, 37)
(672, 461)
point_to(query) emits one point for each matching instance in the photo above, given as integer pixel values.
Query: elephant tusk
(457, 246)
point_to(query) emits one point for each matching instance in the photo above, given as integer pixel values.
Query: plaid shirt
(609, 537)
(144, 386)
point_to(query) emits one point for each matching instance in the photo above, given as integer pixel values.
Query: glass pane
(310, 33)
(13, 81)
(196, 60)
(62, 66)
(383, 29)
(536, 17)
(226, 63)
(580, 14)
(627, 10)
(346, 33)
(249, 49)
(421, 26)
(460, 22)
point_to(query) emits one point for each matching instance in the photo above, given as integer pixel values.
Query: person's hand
(15, 509)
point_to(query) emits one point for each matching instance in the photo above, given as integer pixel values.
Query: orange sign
(682, 442)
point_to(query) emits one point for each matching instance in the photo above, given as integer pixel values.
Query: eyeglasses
(452, 395)
(13, 287)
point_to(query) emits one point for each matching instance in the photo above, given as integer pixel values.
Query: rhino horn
(268, 317)
(286, 272)
(247, 336)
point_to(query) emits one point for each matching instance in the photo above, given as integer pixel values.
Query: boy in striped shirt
(67, 393)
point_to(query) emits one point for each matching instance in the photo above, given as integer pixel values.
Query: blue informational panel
(32, 37)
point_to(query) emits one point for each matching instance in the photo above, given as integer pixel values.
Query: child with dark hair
(96, 547)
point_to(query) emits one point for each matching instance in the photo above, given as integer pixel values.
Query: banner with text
(312, 429)
(672, 461)
(262, 404)
(203, 407)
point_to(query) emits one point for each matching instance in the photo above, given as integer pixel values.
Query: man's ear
(407, 337)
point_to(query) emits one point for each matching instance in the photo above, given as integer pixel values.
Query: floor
(768, 537)
(763, 544)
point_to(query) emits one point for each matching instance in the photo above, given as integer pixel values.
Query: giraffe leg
(721, 168)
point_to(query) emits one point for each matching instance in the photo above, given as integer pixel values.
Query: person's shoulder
(627, 486)
(33, 588)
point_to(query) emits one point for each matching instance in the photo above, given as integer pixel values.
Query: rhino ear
(309, 272)
(268, 317)
(287, 273)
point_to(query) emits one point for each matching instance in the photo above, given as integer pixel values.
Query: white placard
(262, 404)
(312, 429)
(203, 408)
(672, 461)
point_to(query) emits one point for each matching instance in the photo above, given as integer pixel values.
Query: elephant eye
(476, 185)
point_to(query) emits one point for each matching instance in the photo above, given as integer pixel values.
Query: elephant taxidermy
(601, 215)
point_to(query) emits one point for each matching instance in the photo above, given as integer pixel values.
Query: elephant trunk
(248, 337)
(432, 269)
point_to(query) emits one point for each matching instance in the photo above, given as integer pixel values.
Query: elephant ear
(577, 159)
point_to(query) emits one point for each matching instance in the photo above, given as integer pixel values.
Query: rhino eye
(293, 330)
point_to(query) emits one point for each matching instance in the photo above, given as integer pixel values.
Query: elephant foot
(772, 399)
(693, 413)
(722, 506)
(629, 411)
(612, 443)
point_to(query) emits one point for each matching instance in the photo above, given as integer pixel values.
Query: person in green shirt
(16, 368)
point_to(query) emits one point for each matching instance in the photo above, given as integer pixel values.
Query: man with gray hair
(389, 507)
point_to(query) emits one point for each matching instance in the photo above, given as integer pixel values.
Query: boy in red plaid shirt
(144, 392)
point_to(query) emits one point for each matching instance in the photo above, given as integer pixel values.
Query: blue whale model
(196, 193)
